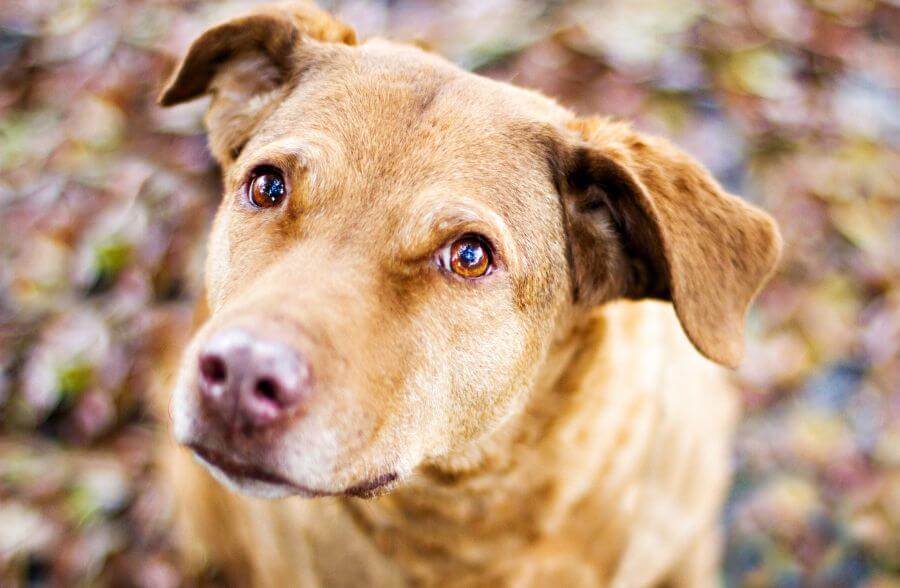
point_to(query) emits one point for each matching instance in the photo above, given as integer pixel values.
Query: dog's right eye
(468, 257)
(267, 188)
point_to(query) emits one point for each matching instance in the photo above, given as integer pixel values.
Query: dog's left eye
(469, 257)
(267, 188)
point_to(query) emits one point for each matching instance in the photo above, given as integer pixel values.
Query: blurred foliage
(105, 199)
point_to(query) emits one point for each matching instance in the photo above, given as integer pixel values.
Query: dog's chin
(248, 486)
(254, 481)
(249, 478)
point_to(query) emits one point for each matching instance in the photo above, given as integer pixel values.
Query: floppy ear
(244, 63)
(647, 221)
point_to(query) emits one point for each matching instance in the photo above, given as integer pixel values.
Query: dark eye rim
(253, 174)
(490, 250)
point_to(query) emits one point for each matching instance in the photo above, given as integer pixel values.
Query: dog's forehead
(388, 105)
(386, 132)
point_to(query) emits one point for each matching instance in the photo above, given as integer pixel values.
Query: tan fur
(542, 430)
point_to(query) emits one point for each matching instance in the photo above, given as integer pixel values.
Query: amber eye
(468, 257)
(267, 188)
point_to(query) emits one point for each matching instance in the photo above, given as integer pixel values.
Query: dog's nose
(248, 381)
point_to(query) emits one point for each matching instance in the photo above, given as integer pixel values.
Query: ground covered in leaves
(105, 198)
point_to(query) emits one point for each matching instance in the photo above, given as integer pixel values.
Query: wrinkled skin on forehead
(409, 362)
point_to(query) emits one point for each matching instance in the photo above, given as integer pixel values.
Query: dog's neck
(464, 511)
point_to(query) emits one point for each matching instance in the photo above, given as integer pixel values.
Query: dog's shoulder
(692, 408)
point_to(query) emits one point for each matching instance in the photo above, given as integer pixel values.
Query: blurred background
(105, 200)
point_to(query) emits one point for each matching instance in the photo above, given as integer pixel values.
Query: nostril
(268, 389)
(213, 369)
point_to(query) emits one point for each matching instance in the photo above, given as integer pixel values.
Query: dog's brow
(435, 220)
(281, 154)
(311, 152)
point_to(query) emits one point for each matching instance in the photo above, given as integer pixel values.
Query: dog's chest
(613, 490)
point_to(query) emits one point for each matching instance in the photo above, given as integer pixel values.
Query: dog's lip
(248, 471)
(241, 470)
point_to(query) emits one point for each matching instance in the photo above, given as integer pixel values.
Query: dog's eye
(468, 257)
(267, 188)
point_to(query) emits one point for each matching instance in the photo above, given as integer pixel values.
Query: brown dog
(415, 286)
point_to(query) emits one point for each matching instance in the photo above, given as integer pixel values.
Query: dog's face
(397, 229)
(400, 243)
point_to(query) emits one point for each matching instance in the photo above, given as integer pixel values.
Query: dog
(496, 322)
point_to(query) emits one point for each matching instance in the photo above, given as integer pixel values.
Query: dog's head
(400, 242)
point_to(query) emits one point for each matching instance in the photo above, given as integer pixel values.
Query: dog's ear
(271, 31)
(244, 62)
(647, 221)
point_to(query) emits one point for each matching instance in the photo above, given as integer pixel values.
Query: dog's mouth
(246, 472)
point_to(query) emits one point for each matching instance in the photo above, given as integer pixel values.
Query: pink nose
(251, 382)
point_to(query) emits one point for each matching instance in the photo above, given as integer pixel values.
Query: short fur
(546, 425)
